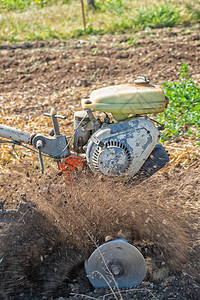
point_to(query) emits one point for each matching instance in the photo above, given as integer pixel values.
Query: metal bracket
(91, 125)
(55, 146)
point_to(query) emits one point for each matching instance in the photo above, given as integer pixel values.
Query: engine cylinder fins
(116, 264)
(113, 159)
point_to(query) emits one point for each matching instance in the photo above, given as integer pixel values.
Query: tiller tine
(71, 167)
(116, 264)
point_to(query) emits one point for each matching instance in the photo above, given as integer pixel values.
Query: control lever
(54, 118)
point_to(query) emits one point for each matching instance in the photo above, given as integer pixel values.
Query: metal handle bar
(14, 134)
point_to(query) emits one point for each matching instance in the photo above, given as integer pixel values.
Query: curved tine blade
(116, 264)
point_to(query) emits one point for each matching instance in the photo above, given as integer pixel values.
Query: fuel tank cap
(141, 80)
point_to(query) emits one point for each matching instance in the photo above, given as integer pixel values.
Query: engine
(120, 147)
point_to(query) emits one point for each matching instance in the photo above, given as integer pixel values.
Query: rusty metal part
(70, 166)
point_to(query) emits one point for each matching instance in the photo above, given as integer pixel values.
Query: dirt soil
(43, 247)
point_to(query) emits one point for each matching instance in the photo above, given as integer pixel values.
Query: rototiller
(120, 145)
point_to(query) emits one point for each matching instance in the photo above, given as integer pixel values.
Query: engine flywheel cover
(120, 149)
(112, 161)
(116, 263)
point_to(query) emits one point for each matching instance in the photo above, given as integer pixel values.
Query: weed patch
(182, 115)
(164, 15)
(115, 6)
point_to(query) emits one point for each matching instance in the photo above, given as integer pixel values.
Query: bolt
(115, 270)
(88, 102)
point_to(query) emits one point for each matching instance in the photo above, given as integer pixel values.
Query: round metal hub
(116, 268)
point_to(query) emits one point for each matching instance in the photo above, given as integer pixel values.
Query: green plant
(164, 15)
(114, 6)
(194, 12)
(182, 115)
(24, 4)
(88, 30)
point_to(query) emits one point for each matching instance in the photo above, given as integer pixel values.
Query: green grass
(160, 16)
(49, 19)
(24, 4)
(183, 114)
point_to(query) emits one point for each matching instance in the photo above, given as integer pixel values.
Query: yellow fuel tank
(125, 100)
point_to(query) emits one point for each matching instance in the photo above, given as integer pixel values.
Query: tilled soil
(43, 250)
(44, 67)
(60, 74)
